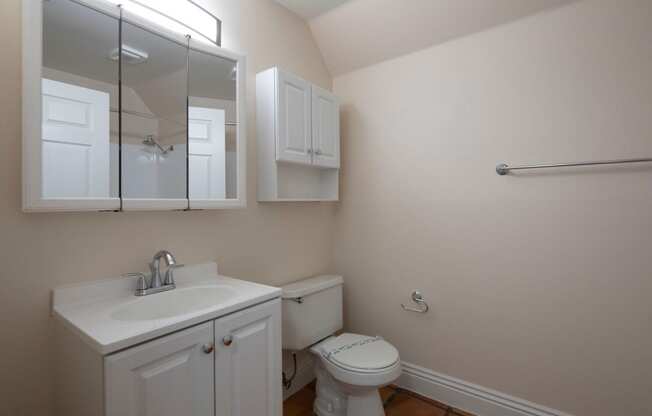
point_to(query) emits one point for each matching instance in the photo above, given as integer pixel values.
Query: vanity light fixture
(182, 16)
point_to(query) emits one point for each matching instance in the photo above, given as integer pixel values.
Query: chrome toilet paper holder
(417, 298)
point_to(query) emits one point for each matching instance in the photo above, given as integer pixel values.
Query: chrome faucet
(154, 268)
(155, 284)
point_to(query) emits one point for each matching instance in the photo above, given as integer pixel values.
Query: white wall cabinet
(298, 139)
(325, 128)
(294, 142)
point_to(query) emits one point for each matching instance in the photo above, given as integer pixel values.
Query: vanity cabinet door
(294, 143)
(248, 362)
(170, 376)
(325, 128)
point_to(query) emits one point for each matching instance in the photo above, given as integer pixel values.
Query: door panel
(207, 153)
(170, 376)
(325, 128)
(293, 142)
(75, 141)
(247, 369)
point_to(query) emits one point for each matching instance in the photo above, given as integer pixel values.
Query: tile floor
(403, 404)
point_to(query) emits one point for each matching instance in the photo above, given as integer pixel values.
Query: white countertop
(90, 309)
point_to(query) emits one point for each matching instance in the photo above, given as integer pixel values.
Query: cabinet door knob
(309, 151)
(227, 340)
(208, 348)
(318, 152)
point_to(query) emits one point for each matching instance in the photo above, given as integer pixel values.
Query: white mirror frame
(32, 62)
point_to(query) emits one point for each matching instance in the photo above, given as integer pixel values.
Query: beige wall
(539, 283)
(271, 243)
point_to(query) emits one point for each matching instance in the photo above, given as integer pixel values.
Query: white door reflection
(75, 141)
(206, 153)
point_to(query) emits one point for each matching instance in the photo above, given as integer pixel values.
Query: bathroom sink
(108, 317)
(176, 302)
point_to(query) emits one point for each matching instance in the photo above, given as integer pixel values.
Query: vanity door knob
(227, 340)
(208, 348)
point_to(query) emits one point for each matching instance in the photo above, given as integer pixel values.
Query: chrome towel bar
(504, 169)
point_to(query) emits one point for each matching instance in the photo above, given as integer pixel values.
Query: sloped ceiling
(359, 33)
(309, 9)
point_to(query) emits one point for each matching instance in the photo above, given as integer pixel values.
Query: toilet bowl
(350, 369)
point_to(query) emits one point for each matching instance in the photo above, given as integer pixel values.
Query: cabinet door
(325, 128)
(248, 362)
(170, 376)
(293, 135)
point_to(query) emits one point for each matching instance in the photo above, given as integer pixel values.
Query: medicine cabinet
(122, 114)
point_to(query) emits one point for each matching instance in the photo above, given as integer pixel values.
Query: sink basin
(173, 303)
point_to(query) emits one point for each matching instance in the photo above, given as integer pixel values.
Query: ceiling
(360, 33)
(309, 9)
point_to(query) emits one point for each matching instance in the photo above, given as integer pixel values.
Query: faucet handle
(141, 283)
(169, 274)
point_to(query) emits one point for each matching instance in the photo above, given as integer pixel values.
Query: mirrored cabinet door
(120, 113)
(78, 137)
(212, 129)
(154, 120)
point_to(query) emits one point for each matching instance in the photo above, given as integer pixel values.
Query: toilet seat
(360, 360)
(360, 353)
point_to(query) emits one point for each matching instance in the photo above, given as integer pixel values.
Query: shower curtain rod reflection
(153, 117)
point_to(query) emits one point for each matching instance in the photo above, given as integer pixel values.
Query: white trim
(31, 112)
(73, 205)
(468, 396)
(154, 204)
(241, 118)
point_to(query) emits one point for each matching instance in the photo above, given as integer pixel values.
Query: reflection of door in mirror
(212, 123)
(206, 153)
(79, 139)
(75, 146)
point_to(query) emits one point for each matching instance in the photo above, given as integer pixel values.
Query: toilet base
(333, 401)
(368, 403)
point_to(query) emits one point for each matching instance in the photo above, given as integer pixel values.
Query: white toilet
(350, 367)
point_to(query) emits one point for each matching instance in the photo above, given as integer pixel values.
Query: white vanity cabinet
(227, 367)
(170, 376)
(247, 363)
(298, 133)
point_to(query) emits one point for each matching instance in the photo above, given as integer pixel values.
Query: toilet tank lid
(311, 285)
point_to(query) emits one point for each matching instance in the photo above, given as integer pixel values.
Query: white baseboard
(469, 397)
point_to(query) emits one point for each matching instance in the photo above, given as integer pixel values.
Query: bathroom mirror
(212, 127)
(154, 103)
(121, 113)
(78, 138)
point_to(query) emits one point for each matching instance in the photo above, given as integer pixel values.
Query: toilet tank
(312, 311)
